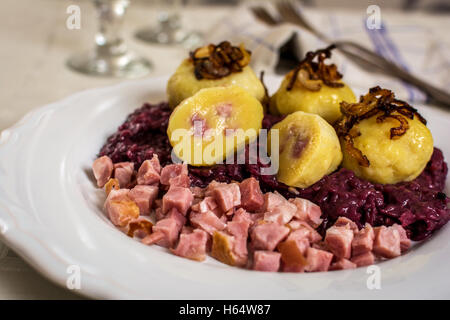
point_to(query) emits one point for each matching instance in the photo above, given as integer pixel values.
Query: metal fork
(356, 52)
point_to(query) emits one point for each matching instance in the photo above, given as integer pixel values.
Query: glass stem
(111, 15)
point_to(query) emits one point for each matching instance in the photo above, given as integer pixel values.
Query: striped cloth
(420, 43)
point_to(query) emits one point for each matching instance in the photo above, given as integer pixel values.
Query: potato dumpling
(308, 149)
(324, 102)
(214, 66)
(212, 124)
(183, 83)
(391, 160)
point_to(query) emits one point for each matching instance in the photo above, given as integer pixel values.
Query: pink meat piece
(339, 241)
(227, 196)
(302, 239)
(139, 228)
(153, 238)
(179, 198)
(123, 172)
(312, 235)
(207, 221)
(159, 215)
(149, 171)
(252, 198)
(364, 259)
(198, 192)
(170, 227)
(363, 240)
(317, 260)
(346, 222)
(239, 230)
(266, 261)
(103, 169)
(192, 245)
(342, 264)
(115, 211)
(207, 204)
(144, 196)
(387, 242)
(242, 215)
(405, 242)
(278, 209)
(307, 211)
(267, 236)
(181, 181)
(172, 171)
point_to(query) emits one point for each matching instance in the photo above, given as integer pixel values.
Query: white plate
(50, 214)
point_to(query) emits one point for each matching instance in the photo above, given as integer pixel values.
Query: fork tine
(263, 15)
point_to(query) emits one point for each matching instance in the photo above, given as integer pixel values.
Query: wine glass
(110, 57)
(168, 29)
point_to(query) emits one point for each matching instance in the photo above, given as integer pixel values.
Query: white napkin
(419, 43)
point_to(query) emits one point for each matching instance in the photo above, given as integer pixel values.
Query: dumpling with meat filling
(313, 87)
(384, 140)
(214, 66)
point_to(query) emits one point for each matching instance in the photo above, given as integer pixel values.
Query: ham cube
(293, 254)
(149, 171)
(339, 241)
(179, 198)
(120, 208)
(364, 259)
(207, 221)
(192, 245)
(242, 215)
(363, 240)
(307, 211)
(346, 222)
(239, 230)
(103, 169)
(208, 204)
(169, 227)
(267, 236)
(266, 261)
(139, 228)
(173, 171)
(252, 198)
(342, 264)
(181, 181)
(317, 260)
(312, 235)
(227, 196)
(387, 242)
(405, 242)
(123, 172)
(222, 249)
(278, 209)
(144, 196)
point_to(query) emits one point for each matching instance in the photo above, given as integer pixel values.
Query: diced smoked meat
(405, 242)
(120, 208)
(227, 196)
(342, 264)
(173, 171)
(207, 221)
(266, 261)
(149, 171)
(144, 196)
(278, 209)
(362, 260)
(252, 198)
(387, 242)
(103, 169)
(317, 260)
(345, 222)
(179, 198)
(363, 240)
(192, 245)
(267, 236)
(123, 172)
(339, 241)
(307, 211)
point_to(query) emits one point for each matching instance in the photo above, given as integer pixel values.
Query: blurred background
(53, 48)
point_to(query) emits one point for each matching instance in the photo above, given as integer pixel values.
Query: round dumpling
(208, 68)
(388, 147)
